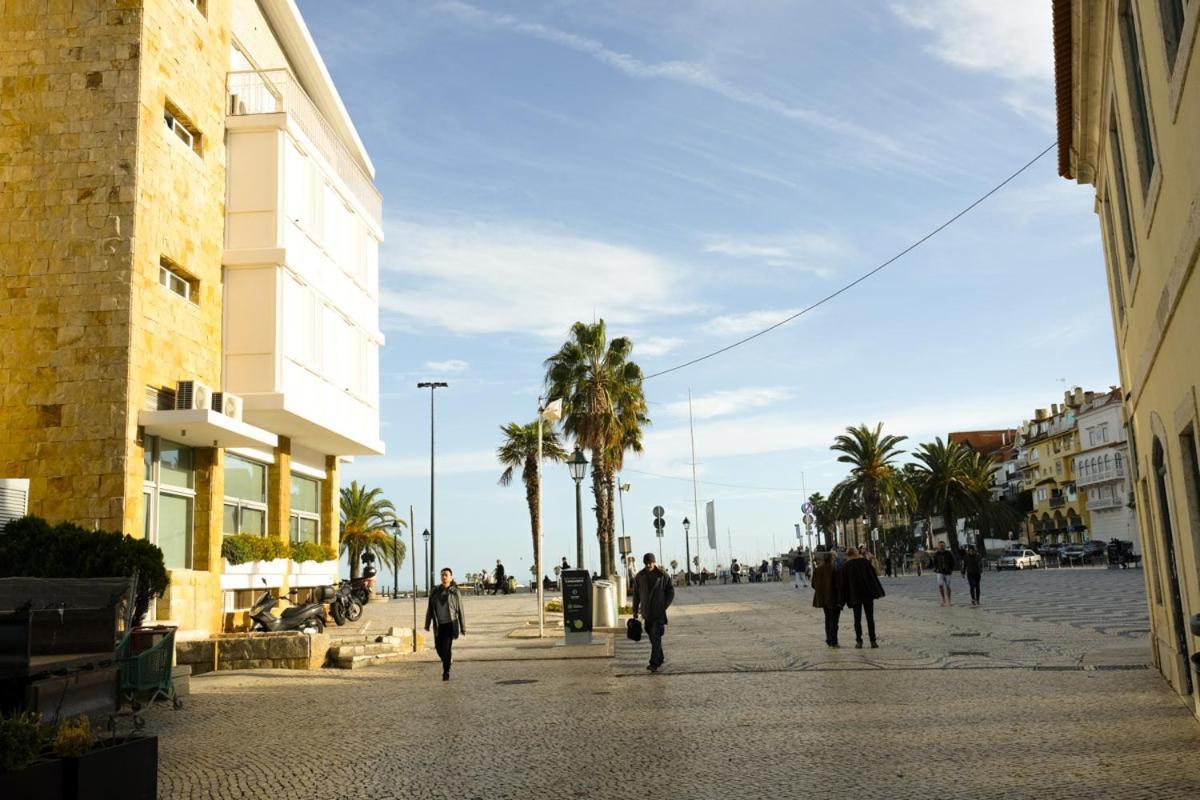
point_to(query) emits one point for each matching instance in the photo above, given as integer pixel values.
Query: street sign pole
(659, 524)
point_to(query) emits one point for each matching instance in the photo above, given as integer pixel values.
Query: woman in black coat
(860, 589)
(445, 614)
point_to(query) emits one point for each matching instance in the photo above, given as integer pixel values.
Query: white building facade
(1101, 469)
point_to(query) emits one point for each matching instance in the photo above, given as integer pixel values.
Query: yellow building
(189, 328)
(1129, 125)
(1046, 446)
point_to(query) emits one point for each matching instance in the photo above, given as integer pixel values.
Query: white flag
(553, 411)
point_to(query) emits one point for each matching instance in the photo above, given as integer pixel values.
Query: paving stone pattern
(957, 703)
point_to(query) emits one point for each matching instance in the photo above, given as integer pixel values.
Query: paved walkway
(957, 703)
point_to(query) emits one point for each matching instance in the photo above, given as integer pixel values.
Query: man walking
(799, 568)
(973, 569)
(500, 578)
(827, 595)
(860, 589)
(653, 593)
(943, 565)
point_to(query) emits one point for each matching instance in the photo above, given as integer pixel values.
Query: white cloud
(656, 345)
(684, 72)
(476, 278)
(729, 401)
(749, 322)
(804, 253)
(1011, 38)
(453, 365)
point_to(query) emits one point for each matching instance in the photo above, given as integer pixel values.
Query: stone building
(189, 231)
(1128, 97)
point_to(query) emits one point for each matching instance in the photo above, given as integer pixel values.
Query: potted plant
(125, 767)
(23, 770)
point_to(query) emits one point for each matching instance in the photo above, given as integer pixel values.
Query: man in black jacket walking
(973, 569)
(653, 593)
(943, 565)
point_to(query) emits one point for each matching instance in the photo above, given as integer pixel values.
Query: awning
(204, 428)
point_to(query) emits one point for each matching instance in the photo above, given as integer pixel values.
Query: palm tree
(874, 482)
(991, 516)
(604, 410)
(519, 449)
(366, 517)
(949, 484)
(825, 517)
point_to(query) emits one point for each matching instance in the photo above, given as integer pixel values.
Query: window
(302, 323)
(1058, 467)
(306, 509)
(1035, 454)
(1114, 261)
(1104, 432)
(1172, 14)
(178, 124)
(175, 280)
(245, 497)
(169, 494)
(1118, 159)
(201, 6)
(1139, 112)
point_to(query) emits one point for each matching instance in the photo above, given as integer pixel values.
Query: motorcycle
(361, 587)
(307, 617)
(343, 606)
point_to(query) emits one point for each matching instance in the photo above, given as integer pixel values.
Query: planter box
(41, 779)
(250, 574)
(306, 574)
(124, 768)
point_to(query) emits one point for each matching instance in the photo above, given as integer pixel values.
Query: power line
(860, 278)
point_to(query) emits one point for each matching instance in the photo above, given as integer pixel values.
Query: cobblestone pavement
(957, 703)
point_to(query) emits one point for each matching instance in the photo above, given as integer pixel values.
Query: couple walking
(854, 584)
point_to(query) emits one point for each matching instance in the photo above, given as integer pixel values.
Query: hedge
(245, 547)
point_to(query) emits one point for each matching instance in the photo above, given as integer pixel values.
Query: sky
(692, 172)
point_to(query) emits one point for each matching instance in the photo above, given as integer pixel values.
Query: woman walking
(860, 589)
(445, 614)
(827, 595)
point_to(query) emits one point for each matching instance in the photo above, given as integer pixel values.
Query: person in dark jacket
(799, 570)
(501, 579)
(827, 595)
(653, 593)
(445, 614)
(860, 589)
(973, 569)
(943, 565)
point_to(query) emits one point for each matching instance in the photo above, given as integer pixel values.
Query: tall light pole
(687, 550)
(623, 487)
(412, 556)
(578, 465)
(552, 413)
(394, 530)
(427, 536)
(431, 386)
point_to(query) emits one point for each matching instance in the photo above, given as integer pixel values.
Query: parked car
(1072, 554)
(1050, 552)
(1019, 559)
(1094, 548)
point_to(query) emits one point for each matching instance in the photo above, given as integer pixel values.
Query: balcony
(1114, 500)
(1091, 477)
(278, 92)
(1058, 502)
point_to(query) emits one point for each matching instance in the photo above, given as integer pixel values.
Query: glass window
(175, 465)
(252, 521)
(1119, 182)
(305, 493)
(305, 524)
(229, 524)
(309, 530)
(1139, 112)
(1172, 13)
(245, 480)
(175, 530)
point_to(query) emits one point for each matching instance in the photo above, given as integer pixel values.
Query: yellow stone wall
(68, 155)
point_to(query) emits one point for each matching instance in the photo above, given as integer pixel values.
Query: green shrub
(22, 737)
(74, 738)
(554, 606)
(30, 547)
(245, 547)
(311, 551)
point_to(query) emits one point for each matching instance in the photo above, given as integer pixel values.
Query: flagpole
(695, 490)
(537, 556)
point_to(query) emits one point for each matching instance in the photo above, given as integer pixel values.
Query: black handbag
(633, 629)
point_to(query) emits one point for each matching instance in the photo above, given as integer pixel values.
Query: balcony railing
(1107, 501)
(1099, 476)
(1058, 502)
(277, 91)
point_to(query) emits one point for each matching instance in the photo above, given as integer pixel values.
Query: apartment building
(1047, 445)
(189, 233)
(1128, 98)
(1101, 472)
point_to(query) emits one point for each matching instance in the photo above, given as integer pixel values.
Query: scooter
(308, 617)
(342, 603)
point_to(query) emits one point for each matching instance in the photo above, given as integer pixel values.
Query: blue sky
(691, 172)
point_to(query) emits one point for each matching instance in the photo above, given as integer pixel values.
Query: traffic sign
(659, 511)
(808, 519)
(659, 524)
(807, 508)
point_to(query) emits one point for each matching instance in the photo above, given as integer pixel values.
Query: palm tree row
(947, 479)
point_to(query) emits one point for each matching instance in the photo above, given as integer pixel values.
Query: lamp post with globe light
(578, 466)
(687, 549)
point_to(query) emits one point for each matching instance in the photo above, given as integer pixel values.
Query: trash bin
(604, 604)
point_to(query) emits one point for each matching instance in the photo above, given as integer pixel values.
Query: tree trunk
(600, 494)
(531, 492)
(950, 520)
(355, 561)
(610, 559)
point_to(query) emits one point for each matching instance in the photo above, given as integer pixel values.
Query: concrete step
(367, 648)
(369, 659)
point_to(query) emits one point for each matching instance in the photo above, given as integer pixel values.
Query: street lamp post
(431, 386)
(578, 465)
(623, 487)
(427, 536)
(687, 550)
(412, 557)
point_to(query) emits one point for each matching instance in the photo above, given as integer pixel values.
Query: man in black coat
(501, 579)
(860, 589)
(653, 594)
(973, 570)
(943, 565)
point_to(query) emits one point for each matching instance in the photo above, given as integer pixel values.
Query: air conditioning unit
(14, 499)
(228, 404)
(193, 395)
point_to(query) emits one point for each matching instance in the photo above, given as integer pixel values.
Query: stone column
(279, 497)
(331, 504)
